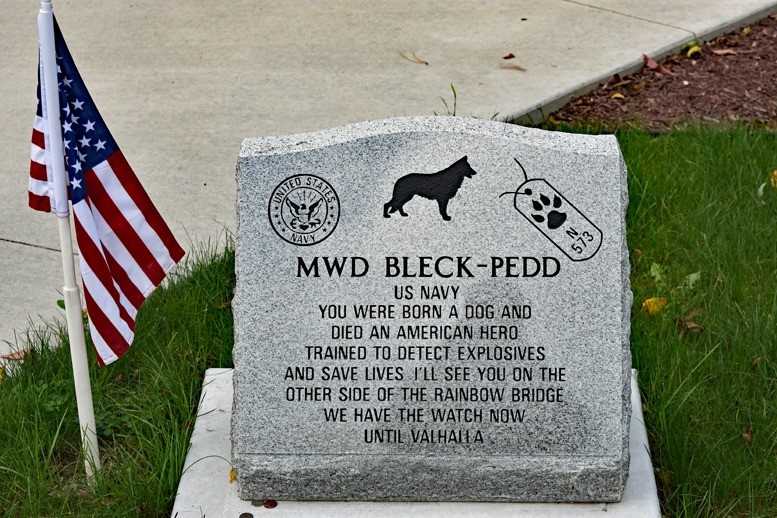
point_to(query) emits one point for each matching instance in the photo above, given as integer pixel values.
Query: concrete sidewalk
(181, 84)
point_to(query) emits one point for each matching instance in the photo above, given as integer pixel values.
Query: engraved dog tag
(554, 215)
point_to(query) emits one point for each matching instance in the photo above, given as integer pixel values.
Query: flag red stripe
(42, 203)
(135, 190)
(96, 262)
(126, 285)
(38, 171)
(38, 139)
(102, 201)
(107, 330)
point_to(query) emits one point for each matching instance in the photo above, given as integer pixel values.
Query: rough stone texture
(576, 450)
(205, 488)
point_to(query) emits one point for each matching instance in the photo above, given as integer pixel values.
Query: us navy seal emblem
(304, 209)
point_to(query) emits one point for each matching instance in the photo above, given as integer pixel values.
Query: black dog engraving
(440, 186)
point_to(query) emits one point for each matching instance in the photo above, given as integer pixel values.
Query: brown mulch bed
(732, 78)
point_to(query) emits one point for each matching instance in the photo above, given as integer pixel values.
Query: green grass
(710, 406)
(145, 405)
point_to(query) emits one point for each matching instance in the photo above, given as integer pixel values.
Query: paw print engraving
(554, 218)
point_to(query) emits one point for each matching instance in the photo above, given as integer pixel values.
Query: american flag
(126, 249)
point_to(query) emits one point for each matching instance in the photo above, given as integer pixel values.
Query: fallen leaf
(650, 63)
(689, 326)
(761, 193)
(748, 435)
(638, 87)
(415, 59)
(773, 178)
(756, 362)
(658, 274)
(694, 51)
(508, 66)
(725, 52)
(638, 255)
(617, 81)
(232, 475)
(15, 356)
(692, 279)
(653, 305)
(693, 327)
(746, 31)
(653, 65)
(509, 56)
(617, 96)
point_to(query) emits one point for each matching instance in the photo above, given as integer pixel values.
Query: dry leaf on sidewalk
(415, 59)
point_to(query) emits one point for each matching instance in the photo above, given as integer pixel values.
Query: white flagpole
(75, 326)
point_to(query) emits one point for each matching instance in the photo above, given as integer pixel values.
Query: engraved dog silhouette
(440, 186)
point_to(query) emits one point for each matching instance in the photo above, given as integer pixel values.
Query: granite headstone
(432, 309)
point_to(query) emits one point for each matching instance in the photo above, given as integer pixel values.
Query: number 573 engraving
(555, 216)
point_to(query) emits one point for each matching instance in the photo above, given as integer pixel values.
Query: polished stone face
(432, 309)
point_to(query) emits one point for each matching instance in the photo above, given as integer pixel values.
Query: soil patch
(732, 78)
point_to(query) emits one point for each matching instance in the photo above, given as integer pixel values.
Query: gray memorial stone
(432, 309)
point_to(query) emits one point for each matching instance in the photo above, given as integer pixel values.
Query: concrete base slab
(205, 488)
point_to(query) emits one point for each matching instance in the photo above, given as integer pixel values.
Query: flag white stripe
(120, 253)
(105, 353)
(40, 188)
(38, 154)
(40, 125)
(84, 216)
(132, 213)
